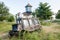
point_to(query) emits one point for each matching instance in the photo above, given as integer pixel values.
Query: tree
(4, 11)
(58, 14)
(43, 11)
(35, 12)
(11, 19)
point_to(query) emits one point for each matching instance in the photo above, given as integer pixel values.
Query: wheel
(11, 33)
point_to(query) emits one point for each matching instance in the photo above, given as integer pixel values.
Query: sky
(16, 6)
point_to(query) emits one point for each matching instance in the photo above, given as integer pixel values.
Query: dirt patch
(48, 29)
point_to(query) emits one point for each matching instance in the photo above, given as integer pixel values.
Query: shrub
(10, 19)
(45, 23)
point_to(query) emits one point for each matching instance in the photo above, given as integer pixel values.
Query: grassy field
(38, 35)
(50, 31)
(5, 26)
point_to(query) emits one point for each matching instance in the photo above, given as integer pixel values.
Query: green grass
(57, 27)
(36, 35)
(39, 36)
(42, 36)
(56, 21)
(58, 24)
(5, 26)
(46, 23)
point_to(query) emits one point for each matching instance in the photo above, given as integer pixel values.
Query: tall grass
(36, 35)
(45, 23)
(5, 26)
(39, 36)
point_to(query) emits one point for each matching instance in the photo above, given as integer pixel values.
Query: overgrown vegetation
(10, 19)
(4, 13)
(46, 23)
(5, 26)
(41, 35)
(58, 14)
(58, 24)
(43, 11)
(36, 35)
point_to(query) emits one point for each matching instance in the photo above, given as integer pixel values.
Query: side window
(25, 22)
(36, 21)
(30, 21)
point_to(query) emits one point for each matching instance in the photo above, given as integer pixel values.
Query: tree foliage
(4, 11)
(58, 14)
(11, 19)
(43, 11)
